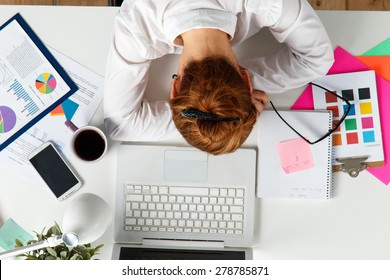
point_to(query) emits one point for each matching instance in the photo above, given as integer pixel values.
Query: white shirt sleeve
(307, 53)
(128, 116)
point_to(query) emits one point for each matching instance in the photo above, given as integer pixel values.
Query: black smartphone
(54, 170)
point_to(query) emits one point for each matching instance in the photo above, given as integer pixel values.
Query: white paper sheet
(80, 108)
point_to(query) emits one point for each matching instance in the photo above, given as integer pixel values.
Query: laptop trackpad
(185, 166)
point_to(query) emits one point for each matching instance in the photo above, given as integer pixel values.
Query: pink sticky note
(344, 63)
(294, 155)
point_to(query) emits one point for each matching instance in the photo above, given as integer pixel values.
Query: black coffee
(89, 145)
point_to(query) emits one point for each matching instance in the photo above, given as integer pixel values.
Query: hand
(259, 99)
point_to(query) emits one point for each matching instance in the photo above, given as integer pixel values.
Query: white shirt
(148, 29)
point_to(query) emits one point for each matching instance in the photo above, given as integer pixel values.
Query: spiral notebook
(289, 167)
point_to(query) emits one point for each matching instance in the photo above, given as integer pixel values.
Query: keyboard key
(202, 216)
(240, 192)
(176, 207)
(238, 201)
(237, 217)
(169, 214)
(153, 214)
(163, 190)
(130, 221)
(223, 192)
(177, 215)
(232, 192)
(144, 214)
(129, 188)
(137, 213)
(143, 206)
(214, 192)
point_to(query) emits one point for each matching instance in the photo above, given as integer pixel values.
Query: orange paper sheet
(381, 65)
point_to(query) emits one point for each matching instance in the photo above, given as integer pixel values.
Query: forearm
(308, 54)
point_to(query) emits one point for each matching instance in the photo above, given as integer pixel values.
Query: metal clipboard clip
(352, 165)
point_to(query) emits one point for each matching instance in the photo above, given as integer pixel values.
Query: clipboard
(32, 82)
(358, 142)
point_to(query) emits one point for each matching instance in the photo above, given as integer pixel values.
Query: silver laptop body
(172, 168)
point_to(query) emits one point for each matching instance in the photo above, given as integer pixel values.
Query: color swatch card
(360, 133)
(286, 162)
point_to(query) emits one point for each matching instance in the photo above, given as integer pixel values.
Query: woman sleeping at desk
(214, 99)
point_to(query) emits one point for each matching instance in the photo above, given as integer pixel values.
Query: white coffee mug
(88, 143)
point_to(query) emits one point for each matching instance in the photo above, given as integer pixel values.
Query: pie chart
(46, 83)
(7, 119)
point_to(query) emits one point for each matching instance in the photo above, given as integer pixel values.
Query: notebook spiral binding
(330, 191)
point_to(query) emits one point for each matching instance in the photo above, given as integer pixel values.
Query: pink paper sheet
(345, 62)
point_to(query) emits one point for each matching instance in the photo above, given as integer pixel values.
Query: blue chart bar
(21, 94)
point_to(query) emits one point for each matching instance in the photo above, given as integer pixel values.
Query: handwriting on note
(295, 155)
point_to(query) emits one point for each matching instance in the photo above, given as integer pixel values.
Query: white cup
(88, 143)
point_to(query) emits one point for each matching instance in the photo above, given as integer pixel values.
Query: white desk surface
(353, 225)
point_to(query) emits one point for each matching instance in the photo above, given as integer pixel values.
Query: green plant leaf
(76, 257)
(98, 247)
(64, 255)
(59, 252)
(51, 251)
(18, 243)
(32, 258)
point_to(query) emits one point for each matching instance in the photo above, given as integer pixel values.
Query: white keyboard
(203, 210)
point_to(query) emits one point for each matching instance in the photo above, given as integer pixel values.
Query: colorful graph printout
(7, 119)
(360, 133)
(68, 108)
(46, 83)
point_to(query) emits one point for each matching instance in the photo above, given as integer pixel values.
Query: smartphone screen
(54, 171)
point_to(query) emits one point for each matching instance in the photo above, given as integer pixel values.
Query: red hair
(213, 85)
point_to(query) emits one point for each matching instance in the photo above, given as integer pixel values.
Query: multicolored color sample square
(360, 132)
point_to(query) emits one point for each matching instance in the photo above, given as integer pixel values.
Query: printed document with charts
(289, 167)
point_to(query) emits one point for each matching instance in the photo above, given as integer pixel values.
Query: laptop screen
(133, 253)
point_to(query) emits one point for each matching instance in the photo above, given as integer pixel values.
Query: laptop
(182, 203)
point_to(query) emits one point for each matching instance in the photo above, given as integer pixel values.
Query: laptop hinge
(183, 243)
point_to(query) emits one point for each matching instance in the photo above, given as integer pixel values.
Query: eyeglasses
(336, 125)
